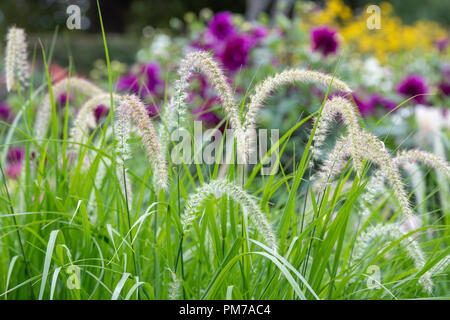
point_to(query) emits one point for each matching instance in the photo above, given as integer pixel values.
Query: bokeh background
(130, 22)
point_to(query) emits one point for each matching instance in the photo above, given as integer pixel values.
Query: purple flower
(209, 117)
(236, 51)
(442, 44)
(100, 112)
(413, 85)
(6, 113)
(153, 110)
(376, 100)
(221, 25)
(129, 82)
(364, 107)
(324, 39)
(259, 32)
(63, 98)
(15, 154)
(152, 72)
(445, 88)
(13, 170)
(14, 160)
(446, 72)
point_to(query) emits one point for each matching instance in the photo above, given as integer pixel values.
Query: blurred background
(137, 19)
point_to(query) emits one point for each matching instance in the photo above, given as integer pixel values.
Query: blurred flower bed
(400, 73)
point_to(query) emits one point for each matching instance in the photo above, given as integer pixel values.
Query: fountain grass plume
(218, 188)
(16, 64)
(291, 76)
(333, 165)
(415, 156)
(85, 118)
(332, 108)
(176, 110)
(371, 148)
(404, 158)
(366, 146)
(392, 232)
(131, 108)
(74, 83)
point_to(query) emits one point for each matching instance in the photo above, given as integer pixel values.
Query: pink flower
(14, 160)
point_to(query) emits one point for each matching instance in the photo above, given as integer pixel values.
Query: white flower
(429, 120)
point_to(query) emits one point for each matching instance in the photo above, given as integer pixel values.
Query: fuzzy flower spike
(219, 188)
(291, 76)
(85, 118)
(74, 83)
(16, 64)
(392, 232)
(332, 108)
(131, 108)
(176, 109)
(371, 148)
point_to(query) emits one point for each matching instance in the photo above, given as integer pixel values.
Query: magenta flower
(129, 83)
(259, 32)
(324, 39)
(204, 114)
(6, 113)
(446, 73)
(413, 85)
(152, 72)
(14, 160)
(364, 107)
(100, 112)
(153, 110)
(63, 98)
(236, 51)
(442, 44)
(221, 25)
(445, 88)
(377, 100)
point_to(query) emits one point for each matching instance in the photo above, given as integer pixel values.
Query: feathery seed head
(85, 118)
(265, 88)
(219, 188)
(392, 232)
(16, 64)
(74, 83)
(131, 108)
(332, 108)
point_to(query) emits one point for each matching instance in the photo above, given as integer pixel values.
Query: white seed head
(218, 188)
(131, 108)
(391, 232)
(73, 83)
(85, 119)
(265, 88)
(16, 64)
